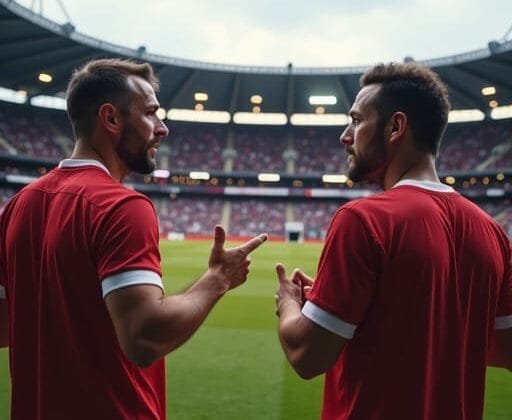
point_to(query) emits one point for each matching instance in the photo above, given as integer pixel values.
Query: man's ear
(398, 126)
(109, 118)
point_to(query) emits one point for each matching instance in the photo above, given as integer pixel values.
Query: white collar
(427, 185)
(77, 163)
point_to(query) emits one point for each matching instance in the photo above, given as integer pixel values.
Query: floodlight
(488, 90)
(161, 173)
(465, 115)
(199, 175)
(268, 177)
(190, 115)
(266, 118)
(322, 100)
(161, 113)
(256, 99)
(334, 179)
(201, 96)
(501, 112)
(319, 119)
(45, 77)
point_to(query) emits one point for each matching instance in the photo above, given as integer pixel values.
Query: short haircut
(416, 91)
(102, 81)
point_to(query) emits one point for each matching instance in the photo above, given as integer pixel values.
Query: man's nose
(162, 130)
(346, 138)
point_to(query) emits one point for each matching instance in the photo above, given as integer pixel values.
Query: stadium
(255, 149)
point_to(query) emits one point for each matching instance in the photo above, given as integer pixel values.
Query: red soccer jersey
(416, 279)
(60, 237)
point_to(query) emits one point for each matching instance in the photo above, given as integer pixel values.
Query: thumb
(219, 238)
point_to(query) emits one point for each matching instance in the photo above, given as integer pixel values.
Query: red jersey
(417, 279)
(66, 240)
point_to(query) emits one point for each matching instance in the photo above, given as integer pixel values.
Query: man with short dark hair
(413, 293)
(81, 293)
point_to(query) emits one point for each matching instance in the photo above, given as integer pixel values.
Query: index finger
(253, 243)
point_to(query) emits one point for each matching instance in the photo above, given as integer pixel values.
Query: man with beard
(413, 293)
(80, 277)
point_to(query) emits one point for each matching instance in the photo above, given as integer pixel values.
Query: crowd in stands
(34, 132)
(253, 216)
(190, 216)
(193, 147)
(260, 149)
(316, 216)
(476, 146)
(319, 151)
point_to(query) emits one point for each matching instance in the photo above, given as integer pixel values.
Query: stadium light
(319, 119)
(201, 96)
(161, 173)
(488, 90)
(45, 101)
(256, 99)
(265, 118)
(205, 176)
(45, 77)
(450, 180)
(221, 117)
(323, 100)
(268, 177)
(161, 113)
(501, 112)
(17, 97)
(334, 179)
(465, 115)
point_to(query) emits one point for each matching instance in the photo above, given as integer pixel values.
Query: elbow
(142, 355)
(304, 367)
(306, 373)
(141, 351)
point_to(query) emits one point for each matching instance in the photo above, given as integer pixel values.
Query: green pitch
(233, 367)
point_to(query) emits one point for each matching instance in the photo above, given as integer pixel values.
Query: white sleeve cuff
(2, 293)
(328, 321)
(503, 322)
(130, 278)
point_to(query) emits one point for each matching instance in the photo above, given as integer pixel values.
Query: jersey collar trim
(77, 163)
(427, 185)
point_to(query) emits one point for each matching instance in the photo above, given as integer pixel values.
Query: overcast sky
(276, 32)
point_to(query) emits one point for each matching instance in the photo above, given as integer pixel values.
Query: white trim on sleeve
(326, 320)
(503, 322)
(2, 293)
(130, 278)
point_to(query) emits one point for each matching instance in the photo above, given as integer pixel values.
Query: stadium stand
(30, 133)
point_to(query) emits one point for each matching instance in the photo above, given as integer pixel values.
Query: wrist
(286, 305)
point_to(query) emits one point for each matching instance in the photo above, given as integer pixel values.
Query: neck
(420, 169)
(85, 150)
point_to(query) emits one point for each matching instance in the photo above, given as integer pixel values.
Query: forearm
(294, 340)
(149, 325)
(177, 317)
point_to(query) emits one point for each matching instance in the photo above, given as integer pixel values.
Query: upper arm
(131, 310)
(310, 348)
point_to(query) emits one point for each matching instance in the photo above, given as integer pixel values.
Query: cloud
(306, 33)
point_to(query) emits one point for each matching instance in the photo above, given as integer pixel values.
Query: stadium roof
(31, 44)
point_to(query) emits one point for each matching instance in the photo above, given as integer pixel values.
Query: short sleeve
(127, 240)
(3, 281)
(347, 272)
(504, 310)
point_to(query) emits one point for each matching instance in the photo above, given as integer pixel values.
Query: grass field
(233, 368)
